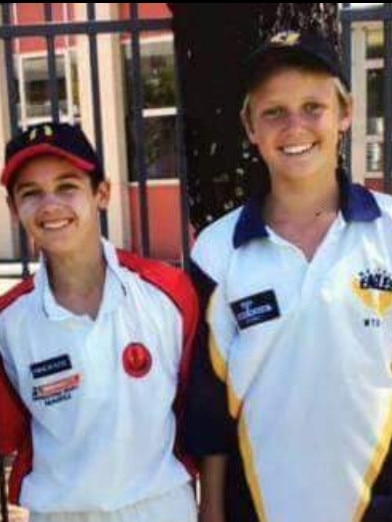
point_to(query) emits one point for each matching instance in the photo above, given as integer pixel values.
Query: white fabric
(312, 388)
(106, 440)
(177, 505)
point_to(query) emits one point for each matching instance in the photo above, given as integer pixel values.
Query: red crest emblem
(137, 360)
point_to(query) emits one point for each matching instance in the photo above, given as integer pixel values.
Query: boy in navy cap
(290, 403)
(94, 351)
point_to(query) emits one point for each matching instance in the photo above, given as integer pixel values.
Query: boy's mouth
(55, 225)
(297, 150)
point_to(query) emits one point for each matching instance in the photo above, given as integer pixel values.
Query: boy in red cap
(94, 351)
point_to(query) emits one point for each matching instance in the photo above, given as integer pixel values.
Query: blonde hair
(343, 94)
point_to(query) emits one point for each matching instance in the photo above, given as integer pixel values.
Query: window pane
(158, 79)
(158, 74)
(160, 150)
(375, 43)
(38, 98)
(374, 157)
(157, 67)
(375, 90)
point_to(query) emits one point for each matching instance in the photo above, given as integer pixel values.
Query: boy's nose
(49, 201)
(294, 119)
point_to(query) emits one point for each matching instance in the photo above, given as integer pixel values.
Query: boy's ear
(247, 122)
(12, 207)
(346, 116)
(103, 194)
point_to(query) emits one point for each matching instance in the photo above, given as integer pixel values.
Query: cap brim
(17, 161)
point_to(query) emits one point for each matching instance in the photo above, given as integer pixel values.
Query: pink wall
(164, 221)
(147, 10)
(34, 14)
(29, 13)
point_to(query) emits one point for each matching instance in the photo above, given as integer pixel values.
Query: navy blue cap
(312, 50)
(60, 139)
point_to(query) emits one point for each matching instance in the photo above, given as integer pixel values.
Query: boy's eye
(67, 187)
(313, 108)
(30, 193)
(273, 113)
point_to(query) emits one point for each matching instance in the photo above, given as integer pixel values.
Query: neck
(77, 282)
(305, 200)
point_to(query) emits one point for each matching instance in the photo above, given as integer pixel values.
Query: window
(374, 43)
(34, 90)
(375, 93)
(159, 111)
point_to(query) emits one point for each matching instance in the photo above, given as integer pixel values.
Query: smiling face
(295, 118)
(57, 206)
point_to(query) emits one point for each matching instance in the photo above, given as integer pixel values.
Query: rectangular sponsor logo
(56, 388)
(256, 309)
(51, 366)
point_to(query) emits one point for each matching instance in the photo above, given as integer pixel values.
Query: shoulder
(384, 201)
(16, 293)
(171, 281)
(215, 244)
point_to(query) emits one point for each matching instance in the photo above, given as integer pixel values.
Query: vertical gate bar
(10, 71)
(52, 69)
(347, 56)
(139, 135)
(96, 95)
(182, 167)
(12, 104)
(387, 98)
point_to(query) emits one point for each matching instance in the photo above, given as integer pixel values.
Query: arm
(212, 488)
(13, 415)
(210, 431)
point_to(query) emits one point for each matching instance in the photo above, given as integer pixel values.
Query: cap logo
(285, 38)
(46, 130)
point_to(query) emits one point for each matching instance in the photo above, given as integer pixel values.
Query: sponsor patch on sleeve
(256, 309)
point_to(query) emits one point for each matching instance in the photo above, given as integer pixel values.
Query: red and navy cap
(290, 48)
(59, 139)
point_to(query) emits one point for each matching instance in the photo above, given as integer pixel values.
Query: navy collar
(357, 203)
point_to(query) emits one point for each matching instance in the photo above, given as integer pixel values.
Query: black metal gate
(133, 26)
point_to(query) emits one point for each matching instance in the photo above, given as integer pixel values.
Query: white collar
(115, 287)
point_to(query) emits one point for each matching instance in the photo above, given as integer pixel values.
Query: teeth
(54, 225)
(297, 149)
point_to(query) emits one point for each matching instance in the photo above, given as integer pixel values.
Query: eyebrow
(62, 177)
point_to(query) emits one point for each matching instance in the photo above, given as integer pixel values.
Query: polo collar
(357, 204)
(115, 284)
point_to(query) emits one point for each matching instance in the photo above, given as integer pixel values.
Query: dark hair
(258, 71)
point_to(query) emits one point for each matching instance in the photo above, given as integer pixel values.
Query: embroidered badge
(256, 309)
(50, 366)
(46, 130)
(374, 289)
(286, 38)
(137, 360)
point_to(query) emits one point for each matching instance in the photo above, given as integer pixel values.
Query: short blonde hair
(342, 92)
